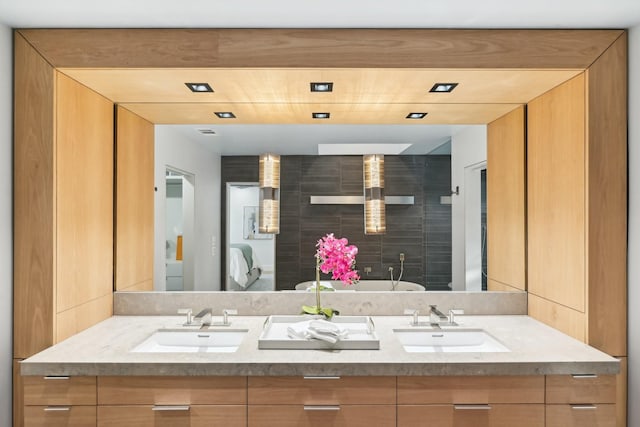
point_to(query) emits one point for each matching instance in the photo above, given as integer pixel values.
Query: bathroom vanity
(545, 378)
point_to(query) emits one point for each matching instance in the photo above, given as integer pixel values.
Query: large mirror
(438, 241)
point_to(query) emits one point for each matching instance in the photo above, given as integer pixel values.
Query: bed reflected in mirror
(251, 254)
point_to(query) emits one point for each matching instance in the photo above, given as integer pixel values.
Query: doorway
(179, 230)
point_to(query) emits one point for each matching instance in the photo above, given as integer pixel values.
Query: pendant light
(269, 181)
(374, 209)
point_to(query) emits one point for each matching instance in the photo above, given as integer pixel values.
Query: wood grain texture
(607, 200)
(494, 285)
(558, 316)
(134, 202)
(84, 188)
(352, 85)
(172, 390)
(34, 202)
(346, 416)
(72, 391)
(566, 416)
(470, 390)
(196, 416)
(556, 219)
(81, 317)
(290, 113)
(339, 48)
(342, 391)
(531, 415)
(568, 389)
(76, 416)
(506, 197)
(18, 394)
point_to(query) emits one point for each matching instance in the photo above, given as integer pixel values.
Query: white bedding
(238, 268)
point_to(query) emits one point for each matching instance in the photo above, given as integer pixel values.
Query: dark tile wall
(302, 224)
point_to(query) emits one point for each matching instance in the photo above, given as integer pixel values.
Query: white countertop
(104, 349)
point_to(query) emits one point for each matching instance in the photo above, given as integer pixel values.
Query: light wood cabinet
(173, 416)
(59, 401)
(322, 416)
(581, 400)
(63, 209)
(527, 415)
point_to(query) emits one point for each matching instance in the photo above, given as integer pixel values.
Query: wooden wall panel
(84, 186)
(80, 317)
(333, 48)
(556, 196)
(564, 319)
(493, 285)
(34, 201)
(134, 202)
(506, 195)
(607, 200)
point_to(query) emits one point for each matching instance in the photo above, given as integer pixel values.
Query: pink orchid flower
(337, 257)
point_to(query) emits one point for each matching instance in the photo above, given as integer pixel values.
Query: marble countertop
(105, 349)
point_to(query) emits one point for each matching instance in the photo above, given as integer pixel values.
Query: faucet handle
(225, 315)
(454, 312)
(412, 312)
(189, 313)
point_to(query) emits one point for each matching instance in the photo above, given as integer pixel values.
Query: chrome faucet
(204, 317)
(436, 317)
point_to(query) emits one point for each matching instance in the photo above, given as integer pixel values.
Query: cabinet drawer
(172, 390)
(322, 390)
(528, 415)
(581, 389)
(175, 416)
(319, 416)
(467, 389)
(59, 390)
(54, 416)
(581, 415)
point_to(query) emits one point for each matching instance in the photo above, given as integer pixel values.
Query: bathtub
(364, 285)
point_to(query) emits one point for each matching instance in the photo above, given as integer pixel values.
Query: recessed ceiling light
(416, 115)
(207, 131)
(320, 115)
(225, 114)
(199, 87)
(322, 87)
(443, 87)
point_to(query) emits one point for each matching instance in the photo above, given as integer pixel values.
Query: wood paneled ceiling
(263, 75)
(283, 96)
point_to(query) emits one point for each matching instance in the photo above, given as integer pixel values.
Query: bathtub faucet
(394, 283)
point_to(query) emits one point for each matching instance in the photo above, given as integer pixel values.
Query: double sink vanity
(389, 370)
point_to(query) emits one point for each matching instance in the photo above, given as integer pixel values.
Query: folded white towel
(317, 329)
(299, 330)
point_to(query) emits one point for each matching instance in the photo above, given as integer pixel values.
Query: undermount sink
(192, 341)
(448, 341)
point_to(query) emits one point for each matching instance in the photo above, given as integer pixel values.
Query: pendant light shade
(269, 181)
(374, 209)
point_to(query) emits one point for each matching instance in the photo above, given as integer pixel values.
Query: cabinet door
(59, 390)
(173, 416)
(581, 415)
(322, 390)
(471, 415)
(54, 416)
(322, 416)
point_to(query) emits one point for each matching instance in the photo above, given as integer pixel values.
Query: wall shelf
(359, 200)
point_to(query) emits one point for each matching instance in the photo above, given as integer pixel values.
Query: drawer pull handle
(320, 378)
(57, 377)
(322, 408)
(170, 408)
(583, 376)
(471, 407)
(57, 409)
(583, 407)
